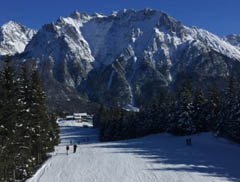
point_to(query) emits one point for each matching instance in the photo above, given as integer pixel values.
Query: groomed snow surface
(155, 158)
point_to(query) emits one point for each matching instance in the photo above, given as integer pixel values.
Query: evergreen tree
(171, 104)
(183, 123)
(229, 125)
(97, 117)
(165, 110)
(152, 120)
(214, 108)
(180, 114)
(24, 161)
(9, 109)
(143, 126)
(27, 131)
(158, 112)
(199, 111)
(39, 119)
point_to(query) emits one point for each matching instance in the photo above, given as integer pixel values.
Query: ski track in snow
(155, 158)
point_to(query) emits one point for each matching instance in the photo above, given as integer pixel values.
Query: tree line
(185, 111)
(27, 131)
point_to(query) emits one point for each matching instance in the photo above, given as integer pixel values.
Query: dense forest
(185, 111)
(27, 131)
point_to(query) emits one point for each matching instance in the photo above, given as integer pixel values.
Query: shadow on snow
(78, 135)
(208, 155)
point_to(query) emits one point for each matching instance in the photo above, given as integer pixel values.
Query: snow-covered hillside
(14, 37)
(154, 158)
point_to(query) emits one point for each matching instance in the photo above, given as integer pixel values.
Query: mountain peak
(98, 15)
(126, 12)
(9, 23)
(233, 39)
(50, 27)
(168, 22)
(14, 38)
(77, 15)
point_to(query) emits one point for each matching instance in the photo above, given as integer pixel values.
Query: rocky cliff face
(126, 57)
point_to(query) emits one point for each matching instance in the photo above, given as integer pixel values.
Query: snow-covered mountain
(14, 37)
(233, 39)
(96, 36)
(93, 36)
(127, 56)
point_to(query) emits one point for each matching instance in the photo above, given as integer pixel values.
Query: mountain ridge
(122, 58)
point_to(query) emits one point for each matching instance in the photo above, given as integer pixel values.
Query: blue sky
(218, 16)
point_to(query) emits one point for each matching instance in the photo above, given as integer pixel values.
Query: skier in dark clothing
(67, 148)
(74, 148)
(189, 141)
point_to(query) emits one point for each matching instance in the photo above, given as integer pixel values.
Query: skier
(189, 141)
(74, 148)
(67, 148)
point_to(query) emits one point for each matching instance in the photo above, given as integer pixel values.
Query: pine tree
(229, 126)
(171, 104)
(153, 120)
(143, 126)
(39, 119)
(25, 159)
(98, 116)
(229, 99)
(183, 123)
(166, 101)
(214, 108)
(159, 110)
(9, 109)
(199, 111)
(27, 131)
(235, 126)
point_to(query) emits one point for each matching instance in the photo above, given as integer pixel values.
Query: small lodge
(80, 117)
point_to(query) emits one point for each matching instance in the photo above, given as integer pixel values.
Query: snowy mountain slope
(145, 47)
(61, 39)
(214, 42)
(144, 33)
(127, 56)
(64, 45)
(233, 39)
(14, 37)
(154, 158)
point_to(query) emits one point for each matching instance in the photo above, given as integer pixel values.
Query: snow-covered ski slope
(156, 158)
